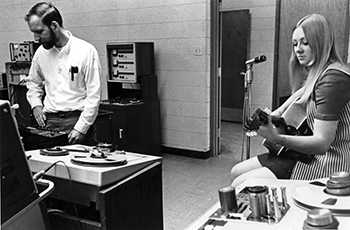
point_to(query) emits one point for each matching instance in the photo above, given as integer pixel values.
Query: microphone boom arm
(257, 59)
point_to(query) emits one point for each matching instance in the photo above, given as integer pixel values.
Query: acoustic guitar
(292, 122)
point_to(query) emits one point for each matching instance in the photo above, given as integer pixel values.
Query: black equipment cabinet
(135, 124)
(133, 98)
(136, 128)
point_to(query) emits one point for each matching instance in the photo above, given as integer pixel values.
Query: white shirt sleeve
(35, 85)
(93, 93)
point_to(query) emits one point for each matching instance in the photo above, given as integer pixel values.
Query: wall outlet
(198, 50)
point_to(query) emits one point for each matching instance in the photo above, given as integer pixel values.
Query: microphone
(255, 60)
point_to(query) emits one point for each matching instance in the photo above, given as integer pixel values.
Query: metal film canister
(254, 204)
(257, 201)
(227, 197)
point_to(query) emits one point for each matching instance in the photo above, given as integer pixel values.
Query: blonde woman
(320, 82)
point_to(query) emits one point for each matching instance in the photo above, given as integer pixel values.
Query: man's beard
(49, 44)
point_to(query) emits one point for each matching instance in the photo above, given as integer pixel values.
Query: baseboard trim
(186, 152)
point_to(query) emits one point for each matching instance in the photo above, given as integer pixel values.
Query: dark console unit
(17, 90)
(133, 98)
(136, 127)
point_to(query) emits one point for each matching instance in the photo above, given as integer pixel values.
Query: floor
(190, 186)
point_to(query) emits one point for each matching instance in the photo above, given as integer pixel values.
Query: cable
(17, 86)
(41, 173)
(16, 106)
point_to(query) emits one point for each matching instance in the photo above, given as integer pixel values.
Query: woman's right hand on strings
(269, 131)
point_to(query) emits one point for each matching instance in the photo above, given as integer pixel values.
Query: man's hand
(39, 115)
(75, 137)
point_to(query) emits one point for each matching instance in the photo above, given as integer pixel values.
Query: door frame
(215, 78)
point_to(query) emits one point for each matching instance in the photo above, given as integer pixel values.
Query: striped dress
(337, 157)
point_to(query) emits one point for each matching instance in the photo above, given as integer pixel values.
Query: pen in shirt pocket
(73, 70)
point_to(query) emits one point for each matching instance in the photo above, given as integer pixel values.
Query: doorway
(233, 43)
(217, 16)
(234, 48)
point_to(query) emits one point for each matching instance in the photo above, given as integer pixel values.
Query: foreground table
(293, 220)
(127, 196)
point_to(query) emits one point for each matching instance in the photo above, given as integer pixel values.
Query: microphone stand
(248, 79)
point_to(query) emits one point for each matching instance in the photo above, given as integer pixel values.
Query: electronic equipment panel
(23, 51)
(39, 138)
(16, 72)
(128, 61)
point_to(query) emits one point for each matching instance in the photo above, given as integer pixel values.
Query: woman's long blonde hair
(320, 36)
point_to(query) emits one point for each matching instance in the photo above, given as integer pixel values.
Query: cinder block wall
(180, 30)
